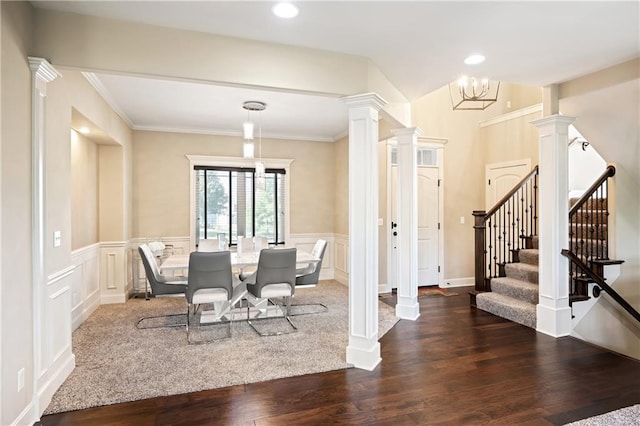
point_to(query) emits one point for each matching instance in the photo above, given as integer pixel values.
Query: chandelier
(247, 130)
(473, 94)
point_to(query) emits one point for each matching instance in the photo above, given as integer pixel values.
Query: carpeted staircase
(515, 296)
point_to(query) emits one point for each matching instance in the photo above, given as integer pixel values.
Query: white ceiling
(419, 46)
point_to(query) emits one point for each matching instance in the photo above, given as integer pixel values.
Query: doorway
(502, 177)
(430, 208)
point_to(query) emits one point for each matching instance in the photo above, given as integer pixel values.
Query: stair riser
(591, 231)
(525, 317)
(590, 216)
(529, 257)
(592, 204)
(512, 271)
(520, 293)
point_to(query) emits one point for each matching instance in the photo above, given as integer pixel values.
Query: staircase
(515, 295)
(507, 274)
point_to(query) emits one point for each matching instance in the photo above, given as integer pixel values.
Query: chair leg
(286, 304)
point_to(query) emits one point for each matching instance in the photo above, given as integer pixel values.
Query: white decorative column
(553, 311)
(363, 350)
(42, 74)
(407, 306)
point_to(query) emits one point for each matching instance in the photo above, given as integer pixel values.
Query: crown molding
(106, 95)
(511, 115)
(232, 133)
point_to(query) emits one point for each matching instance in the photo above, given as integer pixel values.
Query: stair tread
(522, 266)
(607, 261)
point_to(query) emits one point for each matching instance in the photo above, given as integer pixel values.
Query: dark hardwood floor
(454, 365)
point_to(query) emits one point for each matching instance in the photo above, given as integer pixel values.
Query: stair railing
(506, 227)
(588, 229)
(575, 260)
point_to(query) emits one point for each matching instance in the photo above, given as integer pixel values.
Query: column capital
(43, 69)
(407, 131)
(365, 100)
(556, 119)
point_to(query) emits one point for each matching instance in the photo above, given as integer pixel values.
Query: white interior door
(428, 209)
(428, 218)
(502, 177)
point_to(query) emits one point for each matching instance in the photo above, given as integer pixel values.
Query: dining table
(259, 306)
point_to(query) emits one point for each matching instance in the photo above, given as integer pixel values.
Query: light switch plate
(57, 239)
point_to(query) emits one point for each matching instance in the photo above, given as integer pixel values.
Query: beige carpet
(629, 416)
(115, 362)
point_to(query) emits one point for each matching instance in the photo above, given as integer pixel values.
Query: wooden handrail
(602, 284)
(509, 194)
(610, 171)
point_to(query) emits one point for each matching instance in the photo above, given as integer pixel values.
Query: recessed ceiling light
(474, 59)
(84, 130)
(286, 10)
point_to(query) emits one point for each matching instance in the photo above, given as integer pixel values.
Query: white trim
(26, 417)
(60, 374)
(439, 145)
(106, 95)
(458, 282)
(107, 299)
(57, 276)
(208, 160)
(233, 133)
(511, 115)
(42, 73)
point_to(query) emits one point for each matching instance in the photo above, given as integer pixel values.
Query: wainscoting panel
(113, 274)
(56, 356)
(342, 258)
(85, 289)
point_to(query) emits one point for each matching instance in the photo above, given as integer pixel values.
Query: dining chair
(274, 278)
(245, 244)
(308, 277)
(160, 285)
(210, 282)
(208, 245)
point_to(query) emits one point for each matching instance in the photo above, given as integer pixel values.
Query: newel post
(479, 250)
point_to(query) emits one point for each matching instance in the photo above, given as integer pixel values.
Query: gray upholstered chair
(275, 278)
(308, 277)
(161, 285)
(210, 282)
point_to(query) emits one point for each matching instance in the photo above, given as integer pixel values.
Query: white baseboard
(384, 288)
(108, 299)
(26, 417)
(58, 377)
(342, 277)
(82, 312)
(458, 282)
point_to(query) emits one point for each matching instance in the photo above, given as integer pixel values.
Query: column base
(363, 354)
(408, 309)
(555, 322)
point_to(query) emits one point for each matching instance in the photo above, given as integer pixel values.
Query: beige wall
(16, 310)
(514, 139)
(65, 94)
(161, 180)
(341, 164)
(84, 191)
(153, 50)
(465, 159)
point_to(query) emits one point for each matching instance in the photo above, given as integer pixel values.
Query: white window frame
(216, 161)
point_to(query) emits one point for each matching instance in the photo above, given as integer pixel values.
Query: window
(424, 156)
(233, 202)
